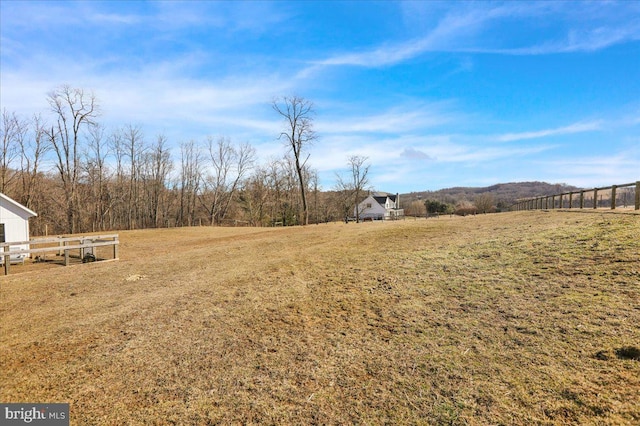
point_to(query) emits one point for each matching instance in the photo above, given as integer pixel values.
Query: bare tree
(190, 179)
(276, 181)
(290, 199)
(484, 202)
(314, 185)
(13, 132)
(358, 180)
(229, 165)
(74, 110)
(157, 166)
(298, 134)
(416, 208)
(254, 196)
(33, 150)
(97, 176)
(119, 183)
(133, 139)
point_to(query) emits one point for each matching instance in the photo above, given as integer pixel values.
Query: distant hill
(504, 194)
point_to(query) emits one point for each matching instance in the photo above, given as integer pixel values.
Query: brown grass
(515, 318)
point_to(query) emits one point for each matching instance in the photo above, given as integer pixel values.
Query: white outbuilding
(14, 224)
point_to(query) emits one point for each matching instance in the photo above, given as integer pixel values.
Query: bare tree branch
(298, 114)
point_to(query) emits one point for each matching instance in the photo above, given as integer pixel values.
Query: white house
(378, 206)
(14, 224)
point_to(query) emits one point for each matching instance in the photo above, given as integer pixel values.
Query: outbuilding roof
(13, 202)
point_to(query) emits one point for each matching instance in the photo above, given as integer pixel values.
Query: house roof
(13, 202)
(382, 198)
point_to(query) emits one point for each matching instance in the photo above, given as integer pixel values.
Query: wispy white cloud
(448, 30)
(400, 119)
(180, 74)
(465, 29)
(158, 96)
(593, 171)
(114, 18)
(572, 128)
(384, 55)
(402, 150)
(161, 16)
(575, 41)
(421, 162)
(597, 39)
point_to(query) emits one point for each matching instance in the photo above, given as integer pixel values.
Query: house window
(368, 205)
(2, 233)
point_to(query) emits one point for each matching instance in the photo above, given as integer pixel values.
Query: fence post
(561, 201)
(66, 255)
(115, 248)
(7, 260)
(582, 199)
(570, 199)
(595, 198)
(613, 197)
(638, 195)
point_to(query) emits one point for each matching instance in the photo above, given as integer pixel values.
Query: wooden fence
(611, 197)
(13, 252)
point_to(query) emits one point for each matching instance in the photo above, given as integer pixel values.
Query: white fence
(13, 252)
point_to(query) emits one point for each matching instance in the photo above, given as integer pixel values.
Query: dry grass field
(512, 319)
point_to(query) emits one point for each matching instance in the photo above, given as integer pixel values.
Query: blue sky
(435, 94)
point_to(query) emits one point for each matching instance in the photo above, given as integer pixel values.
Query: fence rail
(616, 196)
(13, 251)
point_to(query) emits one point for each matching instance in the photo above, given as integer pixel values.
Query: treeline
(469, 200)
(80, 177)
(482, 203)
